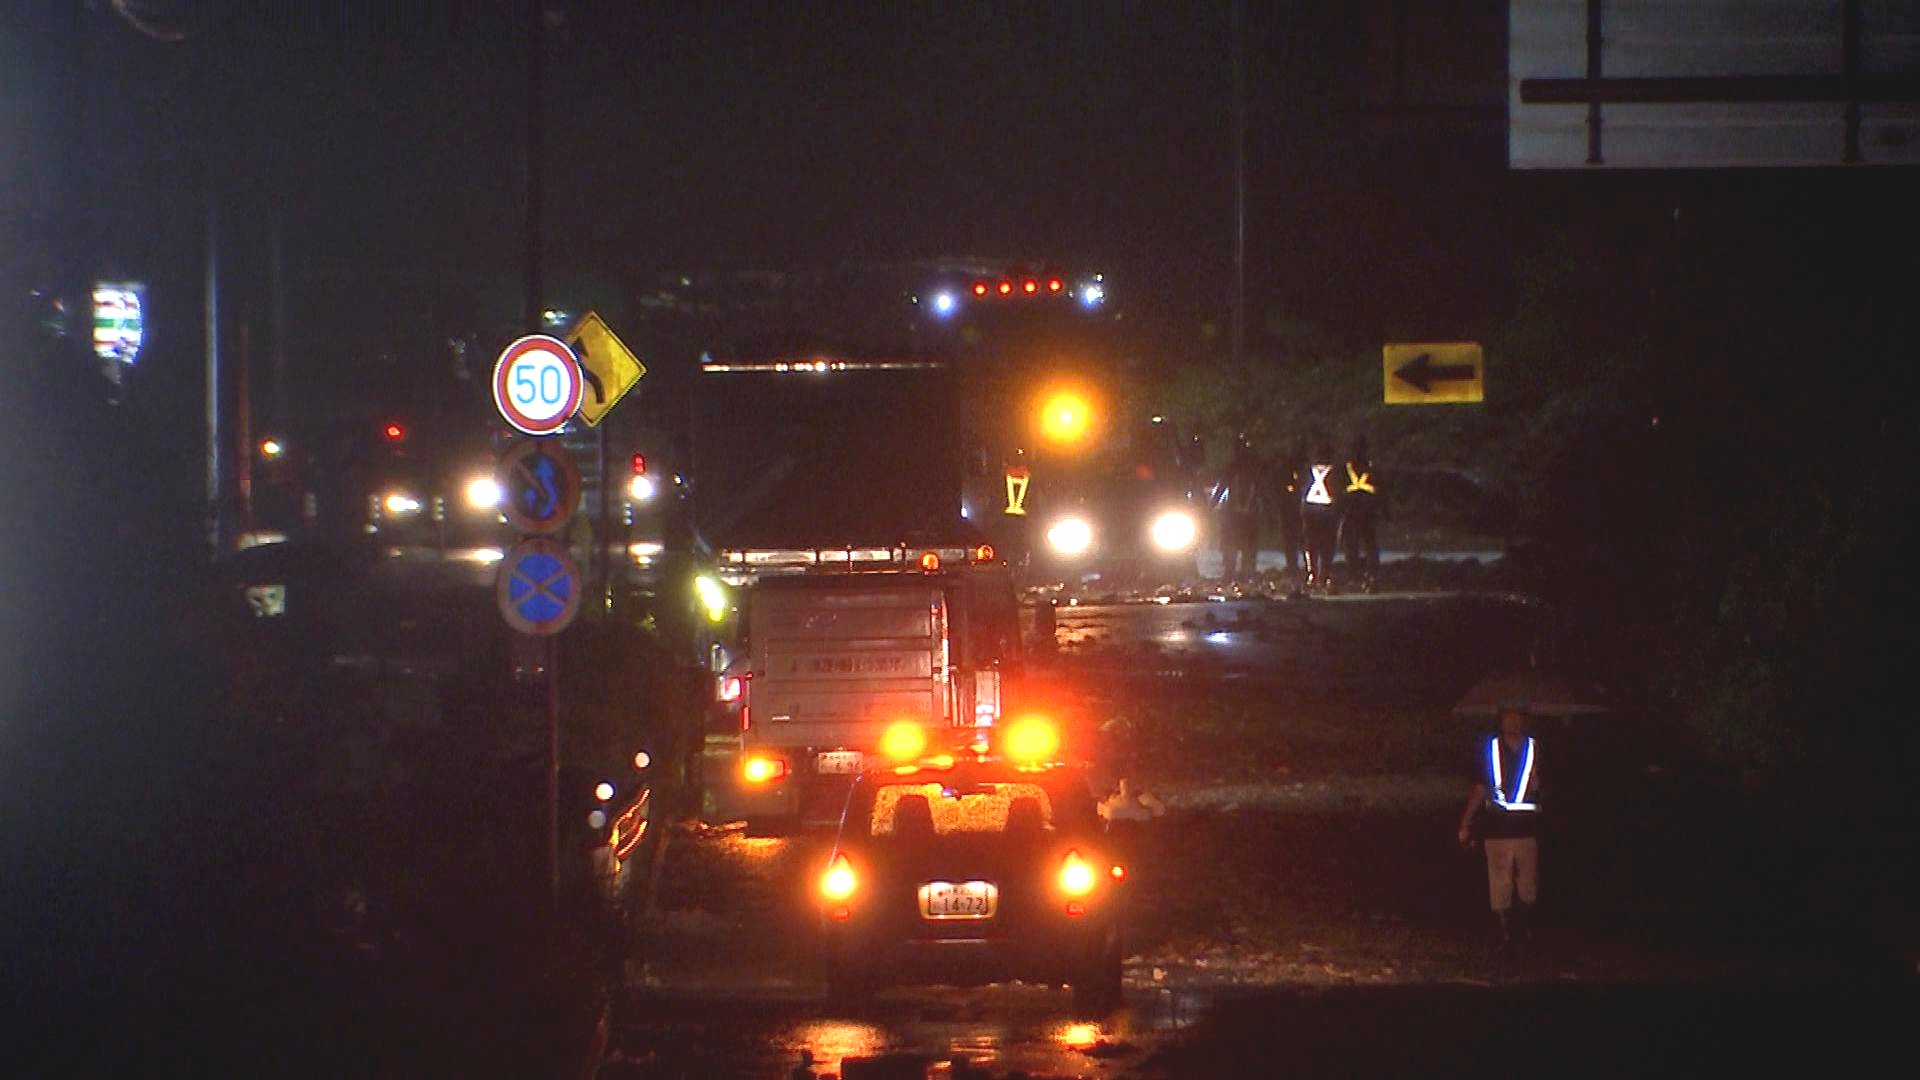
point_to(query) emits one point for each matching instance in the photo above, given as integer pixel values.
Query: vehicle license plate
(840, 762)
(959, 900)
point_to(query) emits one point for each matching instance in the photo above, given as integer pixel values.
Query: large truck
(868, 620)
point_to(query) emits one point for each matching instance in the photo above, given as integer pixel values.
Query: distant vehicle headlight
(1070, 536)
(1174, 532)
(483, 493)
(642, 488)
(397, 503)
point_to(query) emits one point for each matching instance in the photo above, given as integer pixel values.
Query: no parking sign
(538, 587)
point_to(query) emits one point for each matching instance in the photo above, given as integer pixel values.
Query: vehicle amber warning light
(1031, 739)
(903, 741)
(930, 562)
(759, 770)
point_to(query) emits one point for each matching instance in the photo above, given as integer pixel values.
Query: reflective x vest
(1317, 493)
(1358, 481)
(1522, 791)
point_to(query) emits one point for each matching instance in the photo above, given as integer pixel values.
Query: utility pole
(215, 489)
(536, 61)
(535, 323)
(1239, 182)
(277, 272)
(243, 425)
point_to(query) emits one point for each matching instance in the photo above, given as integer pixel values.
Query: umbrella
(1540, 693)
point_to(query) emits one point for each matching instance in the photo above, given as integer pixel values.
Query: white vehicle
(863, 659)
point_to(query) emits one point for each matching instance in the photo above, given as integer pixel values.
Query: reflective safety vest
(1359, 481)
(1497, 783)
(1317, 492)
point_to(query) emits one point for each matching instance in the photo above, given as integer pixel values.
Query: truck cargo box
(797, 455)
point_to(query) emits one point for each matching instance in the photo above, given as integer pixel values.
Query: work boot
(1523, 924)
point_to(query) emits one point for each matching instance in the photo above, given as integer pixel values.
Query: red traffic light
(1055, 284)
(1006, 288)
(1030, 286)
(395, 433)
(979, 288)
(639, 464)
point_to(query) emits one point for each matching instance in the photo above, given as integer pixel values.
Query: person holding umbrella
(1503, 814)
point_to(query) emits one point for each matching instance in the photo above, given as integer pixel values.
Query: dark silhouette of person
(1238, 501)
(1359, 515)
(1292, 470)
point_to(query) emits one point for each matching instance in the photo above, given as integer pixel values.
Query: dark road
(1300, 908)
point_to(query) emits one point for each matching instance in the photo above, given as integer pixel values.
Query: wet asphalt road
(729, 983)
(1355, 946)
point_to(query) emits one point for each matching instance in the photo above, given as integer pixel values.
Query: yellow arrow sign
(1450, 372)
(609, 367)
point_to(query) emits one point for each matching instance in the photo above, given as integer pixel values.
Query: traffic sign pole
(553, 767)
(537, 388)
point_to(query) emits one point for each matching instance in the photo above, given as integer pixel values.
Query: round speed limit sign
(536, 384)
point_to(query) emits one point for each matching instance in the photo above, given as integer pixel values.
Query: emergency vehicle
(973, 868)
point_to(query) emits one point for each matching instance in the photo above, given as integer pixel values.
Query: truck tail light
(761, 769)
(1076, 876)
(839, 881)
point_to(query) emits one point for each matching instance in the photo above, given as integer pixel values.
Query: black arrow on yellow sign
(586, 372)
(1421, 372)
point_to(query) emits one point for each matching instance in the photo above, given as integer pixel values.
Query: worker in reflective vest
(1359, 511)
(1320, 516)
(1503, 814)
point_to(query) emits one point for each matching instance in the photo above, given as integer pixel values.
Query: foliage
(1704, 476)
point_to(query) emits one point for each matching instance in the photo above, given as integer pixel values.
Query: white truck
(871, 619)
(888, 661)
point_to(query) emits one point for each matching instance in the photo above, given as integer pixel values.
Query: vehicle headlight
(1174, 532)
(483, 493)
(397, 503)
(1070, 536)
(642, 488)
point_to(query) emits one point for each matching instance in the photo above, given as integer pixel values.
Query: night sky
(695, 136)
